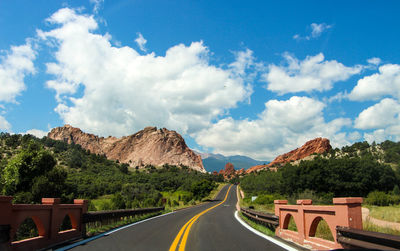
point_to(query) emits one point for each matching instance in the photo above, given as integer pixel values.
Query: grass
(102, 203)
(256, 226)
(388, 213)
(176, 204)
(367, 225)
(214, 192)
(95, 228)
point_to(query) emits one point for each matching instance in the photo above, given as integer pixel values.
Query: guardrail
(355, 238)
(262, 218)
(102, 216)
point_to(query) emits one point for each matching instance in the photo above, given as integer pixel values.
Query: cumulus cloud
(4, 125)
(316, 31)
(14, 67)
(380, 115)
(141, 42)
(36, 132)
(383, 118)
(384, 83)
(281, 127)
(313, 73)
(123, 91)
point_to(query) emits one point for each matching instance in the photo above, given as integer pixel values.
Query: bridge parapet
(345, 212)
(47, 217)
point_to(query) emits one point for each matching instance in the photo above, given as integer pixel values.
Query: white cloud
(97, 4)
(313, 73)
(14, 67)
(281, 127)
(4, 125)
(392, 133)
(380, 115)
(141, 42)
(375, 86)
(36, 132)
(374, 61)
(124, 91)
(316, 31)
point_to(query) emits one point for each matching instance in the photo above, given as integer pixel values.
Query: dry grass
(367, 225)
(389, 213)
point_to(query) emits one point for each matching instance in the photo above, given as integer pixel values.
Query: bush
(378, 198)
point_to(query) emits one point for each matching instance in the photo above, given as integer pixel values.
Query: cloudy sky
(233, 77)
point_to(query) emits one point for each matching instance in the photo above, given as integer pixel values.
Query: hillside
(150, 146)
(32, 168)
(355, 170)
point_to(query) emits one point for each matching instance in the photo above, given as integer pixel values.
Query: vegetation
(33, 168)
(263, 229)
(387, 213)
(357, 170)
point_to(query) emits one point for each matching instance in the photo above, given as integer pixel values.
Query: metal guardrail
(263, 218)
(115, 214)
(356, 238)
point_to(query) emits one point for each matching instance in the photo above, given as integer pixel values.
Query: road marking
(281, 244)
(186, 228)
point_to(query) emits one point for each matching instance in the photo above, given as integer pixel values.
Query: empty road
(210, 226)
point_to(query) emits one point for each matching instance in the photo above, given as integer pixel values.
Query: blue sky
(257, 78)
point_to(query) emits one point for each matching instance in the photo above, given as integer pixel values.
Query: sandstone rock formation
(150, 146)
(230, 171)
(317, 145)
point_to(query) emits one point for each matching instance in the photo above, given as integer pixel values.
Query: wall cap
(51, 201)
(284, 202)
(6, 199)
(304, 202)
(347, 200)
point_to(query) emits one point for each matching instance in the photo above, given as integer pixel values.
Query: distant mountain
(216, 162)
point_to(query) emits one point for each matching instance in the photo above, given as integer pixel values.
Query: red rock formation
(229, 169)
(317, 145)
(241, 171)
(146, 147)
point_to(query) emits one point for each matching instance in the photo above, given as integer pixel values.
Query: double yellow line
(186, 228)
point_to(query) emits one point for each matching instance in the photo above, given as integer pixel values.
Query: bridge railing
(346, 212)
(48, 218)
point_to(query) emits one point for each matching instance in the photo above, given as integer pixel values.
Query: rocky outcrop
(150, 146)
(230, 171)
(317, 145)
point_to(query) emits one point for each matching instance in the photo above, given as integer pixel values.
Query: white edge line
(108, 233)
(138, 222)
(281, 244)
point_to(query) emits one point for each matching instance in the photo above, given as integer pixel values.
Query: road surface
(213, 227)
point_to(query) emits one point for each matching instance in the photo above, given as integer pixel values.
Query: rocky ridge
(150, 146)
(317, 145)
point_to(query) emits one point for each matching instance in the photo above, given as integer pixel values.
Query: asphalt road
(216, 229)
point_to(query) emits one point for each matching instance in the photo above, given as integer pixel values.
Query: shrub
(378, 198)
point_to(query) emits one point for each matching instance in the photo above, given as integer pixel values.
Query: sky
(254, 78)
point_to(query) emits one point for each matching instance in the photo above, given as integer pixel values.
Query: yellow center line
(186, 228)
